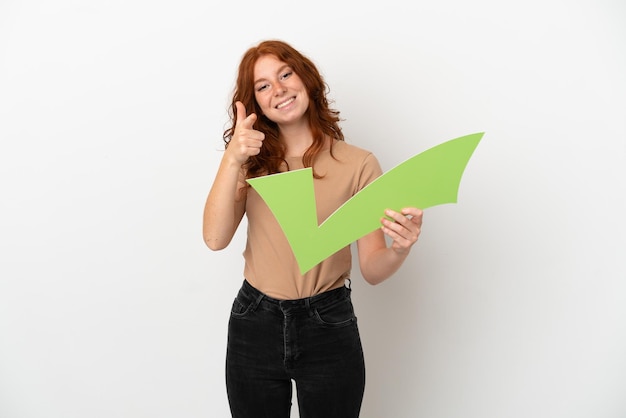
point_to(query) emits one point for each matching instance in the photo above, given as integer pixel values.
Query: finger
(241, 113)
(396, 216)
(393, 228)
(414, 214)
(404, 226)
(252, 142)
(399, 239)
(409, 218)
(257, 144)
(243, 120)
(255, 136)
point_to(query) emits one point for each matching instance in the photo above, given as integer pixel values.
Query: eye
(286, 75)
(262, 87)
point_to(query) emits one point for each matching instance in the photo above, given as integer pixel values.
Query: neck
(296, 138)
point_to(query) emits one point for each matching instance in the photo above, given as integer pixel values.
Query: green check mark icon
(428, 179)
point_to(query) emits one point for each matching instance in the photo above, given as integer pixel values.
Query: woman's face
(279, 91)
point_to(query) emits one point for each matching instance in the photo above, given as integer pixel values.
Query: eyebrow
(277, 72)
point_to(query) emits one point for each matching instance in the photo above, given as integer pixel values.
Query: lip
(285, 103)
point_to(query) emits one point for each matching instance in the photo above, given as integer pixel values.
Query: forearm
(224, 205)
(378, 261)
(382, 264)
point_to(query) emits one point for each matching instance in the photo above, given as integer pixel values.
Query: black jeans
(314, 341)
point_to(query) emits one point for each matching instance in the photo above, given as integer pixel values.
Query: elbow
(374, 276)
(370, 277)
(215, 244)
(373, 281)
(214, 247)
(214, 239)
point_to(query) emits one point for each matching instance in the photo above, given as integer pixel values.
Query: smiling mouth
(285, 103)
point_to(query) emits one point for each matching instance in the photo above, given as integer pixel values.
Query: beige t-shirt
(270, 265)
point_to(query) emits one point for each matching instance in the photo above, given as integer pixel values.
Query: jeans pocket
(240, 309)
(338, 314)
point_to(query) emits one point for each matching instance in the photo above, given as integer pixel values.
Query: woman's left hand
(403, 228)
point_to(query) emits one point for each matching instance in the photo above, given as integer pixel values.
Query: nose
(279, 89)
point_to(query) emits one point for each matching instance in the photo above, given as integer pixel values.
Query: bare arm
(377, 261)
(224, 206)
(226, 202)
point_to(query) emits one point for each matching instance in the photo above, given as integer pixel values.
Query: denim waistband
(316, 301)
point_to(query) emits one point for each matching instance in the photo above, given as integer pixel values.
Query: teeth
(283, 104)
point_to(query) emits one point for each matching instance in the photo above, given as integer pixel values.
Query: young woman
(285, 325)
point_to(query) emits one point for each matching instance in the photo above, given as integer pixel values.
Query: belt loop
(349, 283)
(257, 301)
(307, 305)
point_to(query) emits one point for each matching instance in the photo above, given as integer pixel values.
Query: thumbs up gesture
(246, 141)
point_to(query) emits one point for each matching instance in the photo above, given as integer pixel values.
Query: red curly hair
(323, 121)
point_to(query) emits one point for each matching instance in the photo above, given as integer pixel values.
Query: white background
(513, 303)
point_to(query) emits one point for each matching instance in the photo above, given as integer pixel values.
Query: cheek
(262, 101)
(304, 93)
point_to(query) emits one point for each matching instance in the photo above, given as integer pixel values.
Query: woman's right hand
(246, 141)
(226, 202)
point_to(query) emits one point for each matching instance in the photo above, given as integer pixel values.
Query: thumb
(242, 119)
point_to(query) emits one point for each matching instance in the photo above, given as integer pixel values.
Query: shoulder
(351, 161)
(344, 151)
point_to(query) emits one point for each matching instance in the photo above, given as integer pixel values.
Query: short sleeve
(370, 170)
